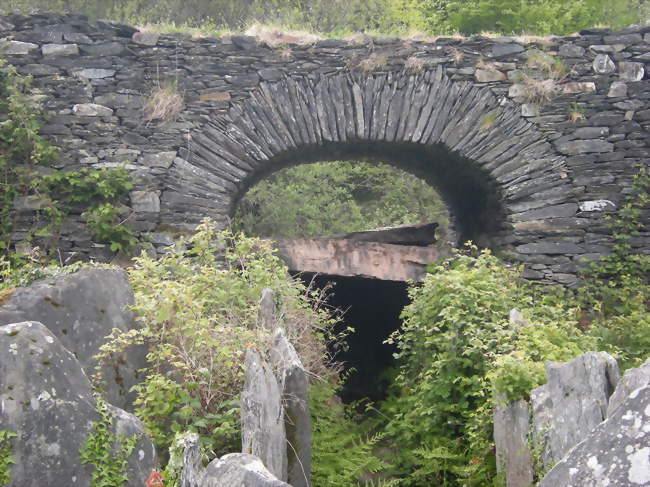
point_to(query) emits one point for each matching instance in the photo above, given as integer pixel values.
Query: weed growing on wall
(92, 193)
(108, 454)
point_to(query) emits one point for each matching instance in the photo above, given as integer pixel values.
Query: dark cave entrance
(373, 309)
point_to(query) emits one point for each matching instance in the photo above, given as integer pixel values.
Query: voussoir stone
(81, 309)
(615, 453)
(572, 402)
(47, 401)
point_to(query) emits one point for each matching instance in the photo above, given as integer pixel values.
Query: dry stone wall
(516, 175)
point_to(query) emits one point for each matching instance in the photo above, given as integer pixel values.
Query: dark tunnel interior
(372, 308)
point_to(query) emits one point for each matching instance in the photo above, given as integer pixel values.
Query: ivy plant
(6, 460)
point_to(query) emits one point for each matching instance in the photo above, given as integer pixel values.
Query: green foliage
(615, 297)
(20, 144)
(338, 17)
(92, 192)
(198, 305)
(457, 351)
(337, 197)
(6, 460)
(342, 452)
(108, 454)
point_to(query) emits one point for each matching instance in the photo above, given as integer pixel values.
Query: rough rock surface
(262, 416)
(572, 402)
(46, 399)
(615, 454)
(294, 384)
(632, 379)
(233, 470)
(511, 422)
(80, 309)
(343, 257)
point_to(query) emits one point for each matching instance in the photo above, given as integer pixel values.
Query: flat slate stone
(60, 50)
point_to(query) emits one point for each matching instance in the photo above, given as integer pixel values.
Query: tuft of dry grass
(414, 64)
(285, 53)
(456, 54)
(274, 36)
(575, 113)
(372, 63)
(5, 294)
(163, 103)
(539, 91)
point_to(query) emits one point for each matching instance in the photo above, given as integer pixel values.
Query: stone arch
(489, 162)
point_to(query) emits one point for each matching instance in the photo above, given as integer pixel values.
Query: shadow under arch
(486, 160)
(471, 198)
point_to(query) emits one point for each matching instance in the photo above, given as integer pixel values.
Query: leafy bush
(198, 305)
(6, 460)
(337, 197)
(458, 350)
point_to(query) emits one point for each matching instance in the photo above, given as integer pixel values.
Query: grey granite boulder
(615, 454)
(632, 379)
(239, 470)
(514, 462)
(80, 309)
(46, 399)
(572, 402)
(262, 416)
(294, 383)
(233, 470)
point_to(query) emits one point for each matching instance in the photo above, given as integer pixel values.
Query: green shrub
(6, 460)
(198, 306)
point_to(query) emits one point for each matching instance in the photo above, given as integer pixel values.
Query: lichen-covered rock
(572, 402)
(80, 309)
(46, 399)
(294, 384)
(615, 454)
(239, 470)
(514, 461)
(262, 416)
(632, 379)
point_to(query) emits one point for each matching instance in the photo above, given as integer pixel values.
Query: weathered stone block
(488, 75)
(60, 50)
(603, 64)
(572, 402)
(632, 379)
(615, 453)
(15, 48)
(502, 50)
(585, 147)
(514, 461)
(47, 401)
(95, 73)
(145, 201)
(146, 38)
(631, 71)
(91, 110)
(571, 50)
(161, 159)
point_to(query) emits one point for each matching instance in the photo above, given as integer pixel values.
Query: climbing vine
(94, 194)
(6, 460)
(107, 453)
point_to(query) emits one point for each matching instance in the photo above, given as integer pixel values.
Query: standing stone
(511, 442)
(616, 453)
(629, 71)
(48, 402)
(80, 309)
(294, 384)
(632, 379)
(603, 64)
(262, 416)
(266, 318)
(572, 402)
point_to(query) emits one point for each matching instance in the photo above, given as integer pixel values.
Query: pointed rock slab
(262, 416)
(514, 461)
(47, 401)
(239, 470)
(294, 384)
(80, 309)
(632, 379)
(603, 64)
(572, 402)
(615, 453)
(266, 315)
